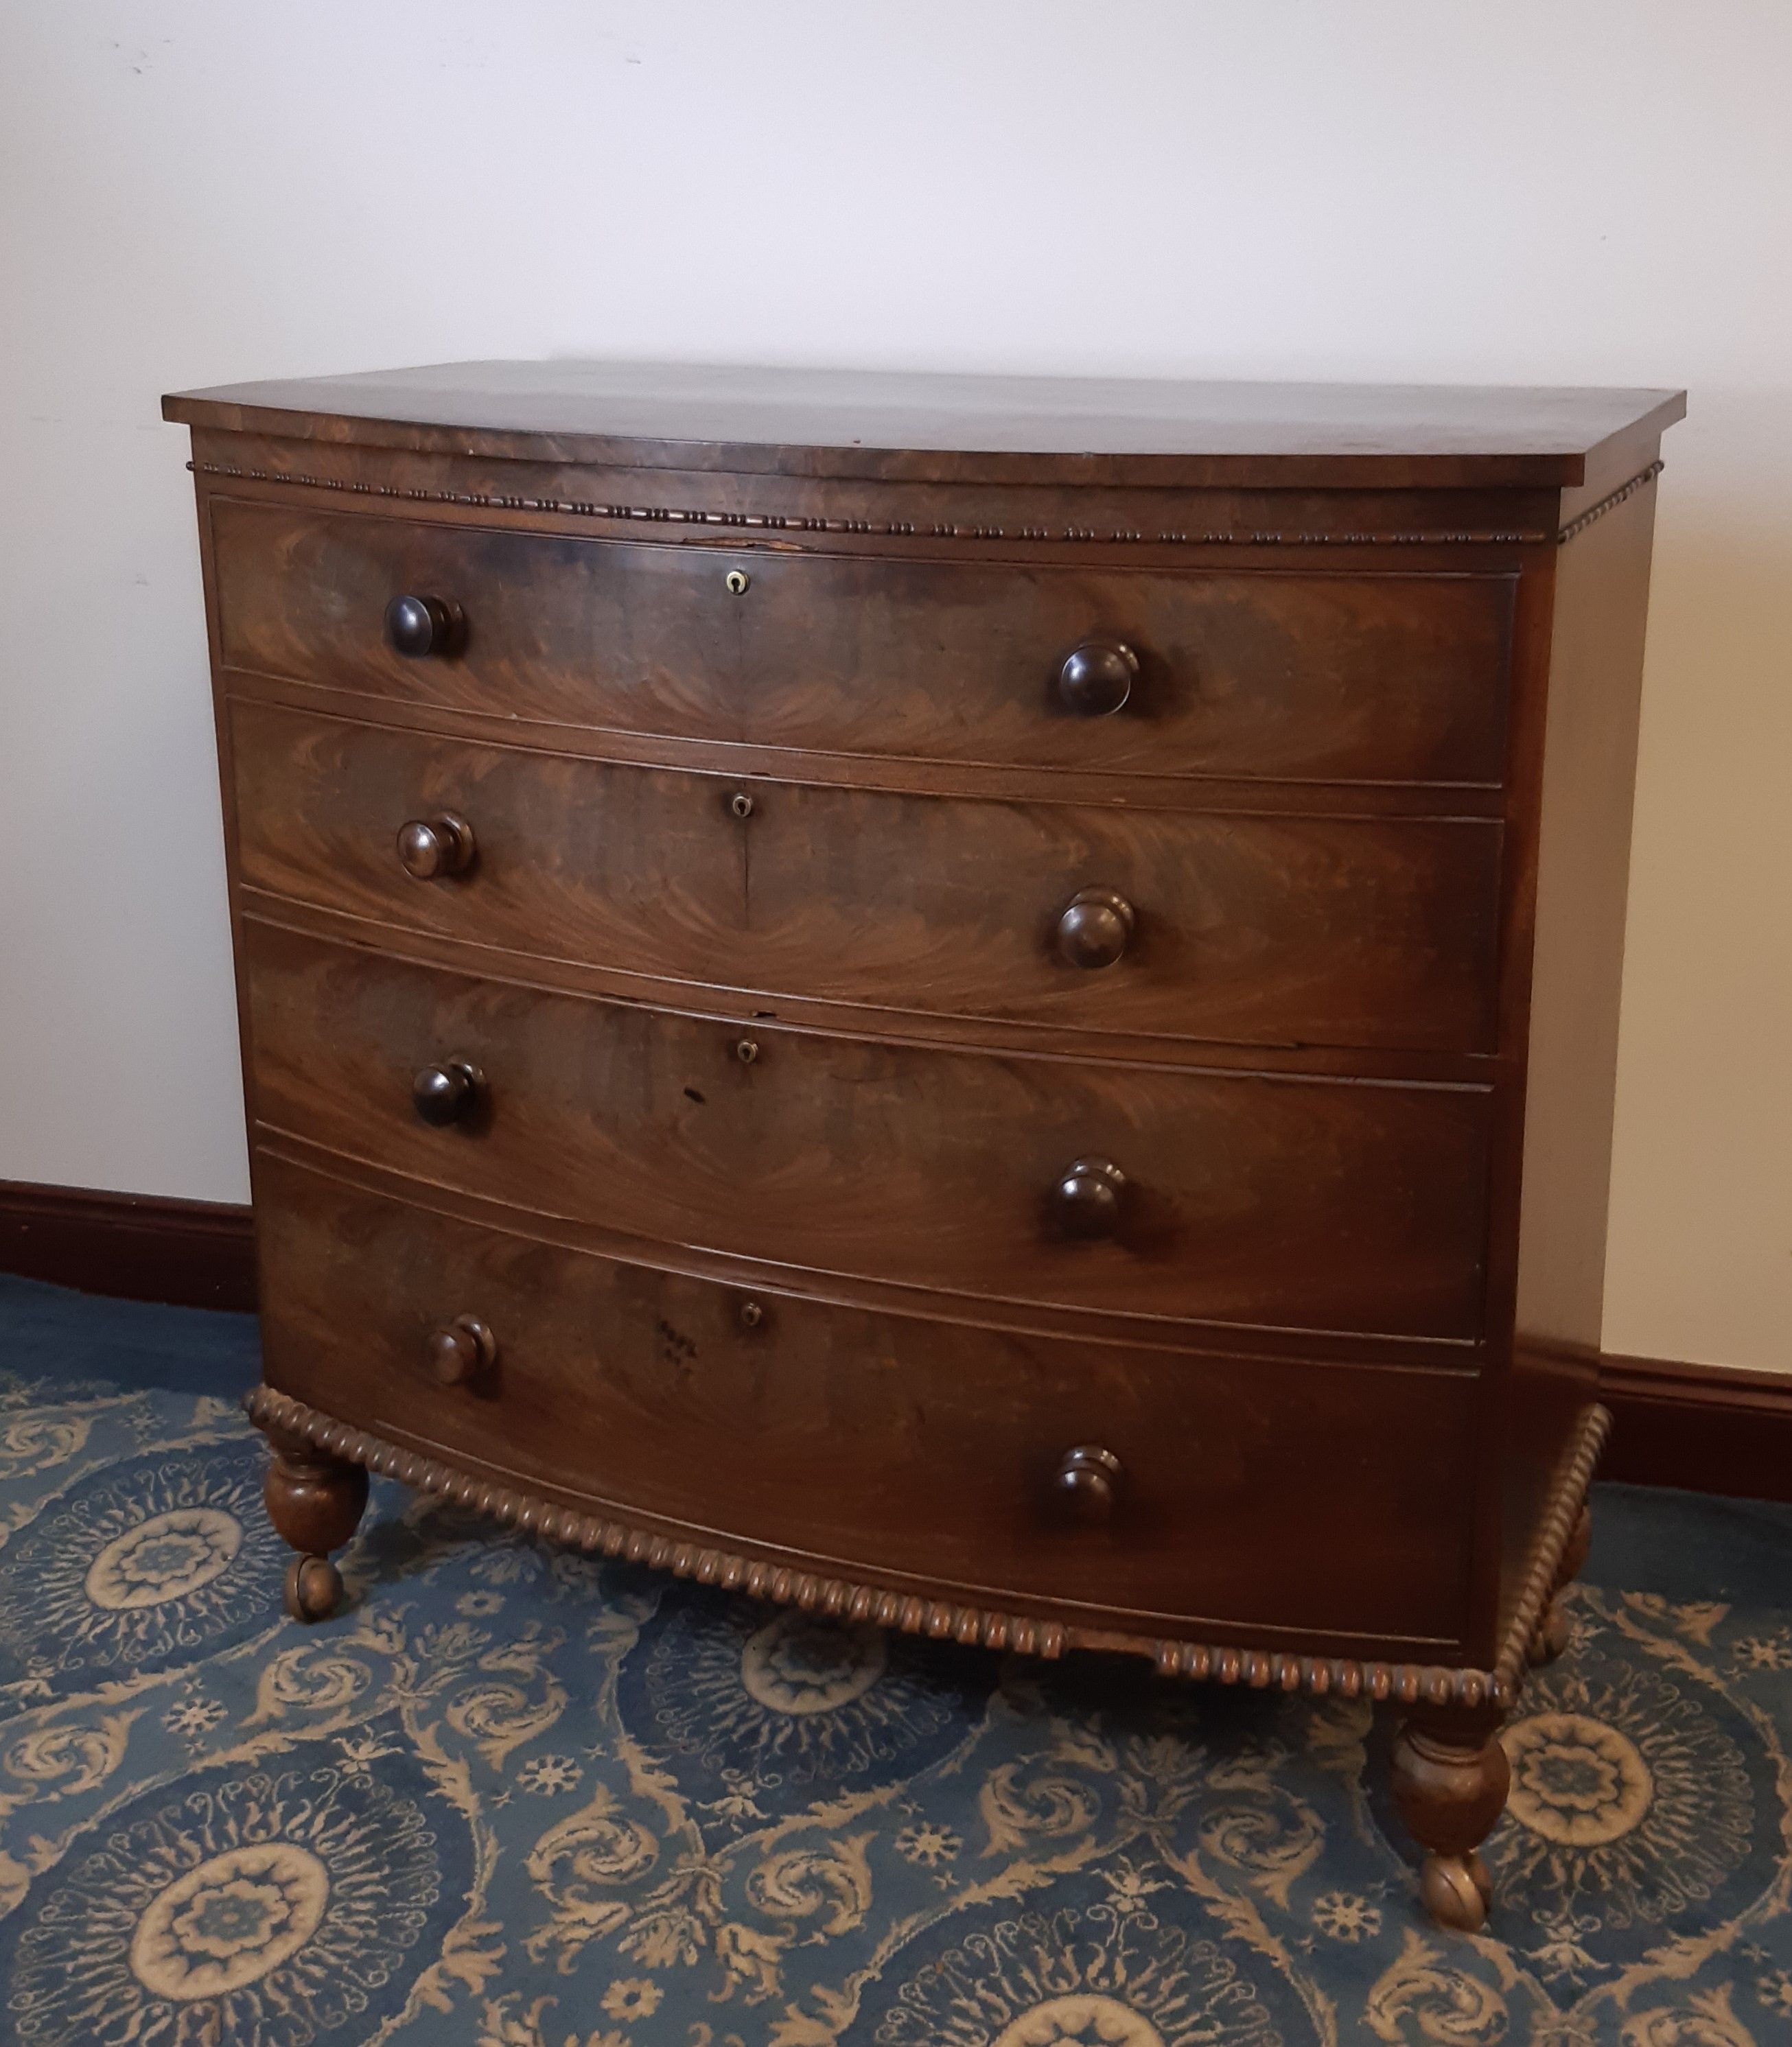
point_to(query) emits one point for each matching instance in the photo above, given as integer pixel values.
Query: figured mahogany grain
(947, 428)
(1292, 1202)
(1283, 930)
(1386, 677)
(889, 1446)
(1237, 1277)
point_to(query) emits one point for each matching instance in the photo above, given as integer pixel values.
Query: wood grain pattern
(953, 428)
(879, 1446)
(1271, 930)
(1348, 678)
(1148, 1278)
(762, 1576)
(1257, 1200)
(1481, 530)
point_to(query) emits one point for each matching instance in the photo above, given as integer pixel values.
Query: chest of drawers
(984, 1006)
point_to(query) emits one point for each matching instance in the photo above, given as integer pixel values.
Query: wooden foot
(316, 1501)
(1449, 1780)
(314, 1587)
(1555, 1630)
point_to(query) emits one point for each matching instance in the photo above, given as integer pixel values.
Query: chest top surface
(953, 429)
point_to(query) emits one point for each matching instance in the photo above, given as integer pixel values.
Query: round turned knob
(447, 1093)
(429, 848)
(1095, 928)
(1088, 1197)
(1096, 678)
(459, 1351)
(415, 626)
(1087, 1482)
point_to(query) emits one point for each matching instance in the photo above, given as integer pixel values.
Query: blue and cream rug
(512, 1797)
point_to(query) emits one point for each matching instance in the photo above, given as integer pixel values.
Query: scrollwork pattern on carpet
(517, 1797)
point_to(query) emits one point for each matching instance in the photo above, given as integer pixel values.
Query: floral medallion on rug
(512, 1796)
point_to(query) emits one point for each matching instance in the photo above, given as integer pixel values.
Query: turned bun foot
(314, 1588)
(1449, 1777)
(316, 1501)
(1456, 1891)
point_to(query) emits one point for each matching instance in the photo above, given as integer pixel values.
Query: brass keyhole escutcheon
(735, 583)
(741, 805)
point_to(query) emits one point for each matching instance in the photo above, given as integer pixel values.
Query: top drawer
(1256, 672)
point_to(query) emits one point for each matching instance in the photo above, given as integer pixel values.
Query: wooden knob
(1095, 928)
(1087, 1483)
(1088, 1197)
(459, 1351)
(416, 626)
(1096, 678)
(430, 848)
(447, 1093)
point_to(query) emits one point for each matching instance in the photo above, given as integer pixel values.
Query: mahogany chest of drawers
(985, 1006)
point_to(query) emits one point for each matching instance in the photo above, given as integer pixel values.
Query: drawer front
(1257, 929)
(1300, 1203)
(882, 1445)
(1373, 678)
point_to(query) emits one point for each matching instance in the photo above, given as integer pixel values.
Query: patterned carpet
(512, 1797)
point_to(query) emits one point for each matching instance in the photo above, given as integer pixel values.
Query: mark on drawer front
(675, 1347)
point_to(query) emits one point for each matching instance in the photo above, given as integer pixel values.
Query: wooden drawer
(1291, 1201)
(882, 1447)
(1389, 677)
(1255, 928)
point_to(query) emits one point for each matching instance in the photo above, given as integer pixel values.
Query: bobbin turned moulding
(985, 1006)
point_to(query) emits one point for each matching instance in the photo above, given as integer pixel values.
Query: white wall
(195, 190)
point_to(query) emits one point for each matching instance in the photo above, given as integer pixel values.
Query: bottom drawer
(1320, 1506)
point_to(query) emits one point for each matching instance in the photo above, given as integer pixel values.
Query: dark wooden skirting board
(135, 1246)
(1706, 1428)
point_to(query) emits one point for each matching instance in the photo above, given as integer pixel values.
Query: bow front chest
(985, 1006)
